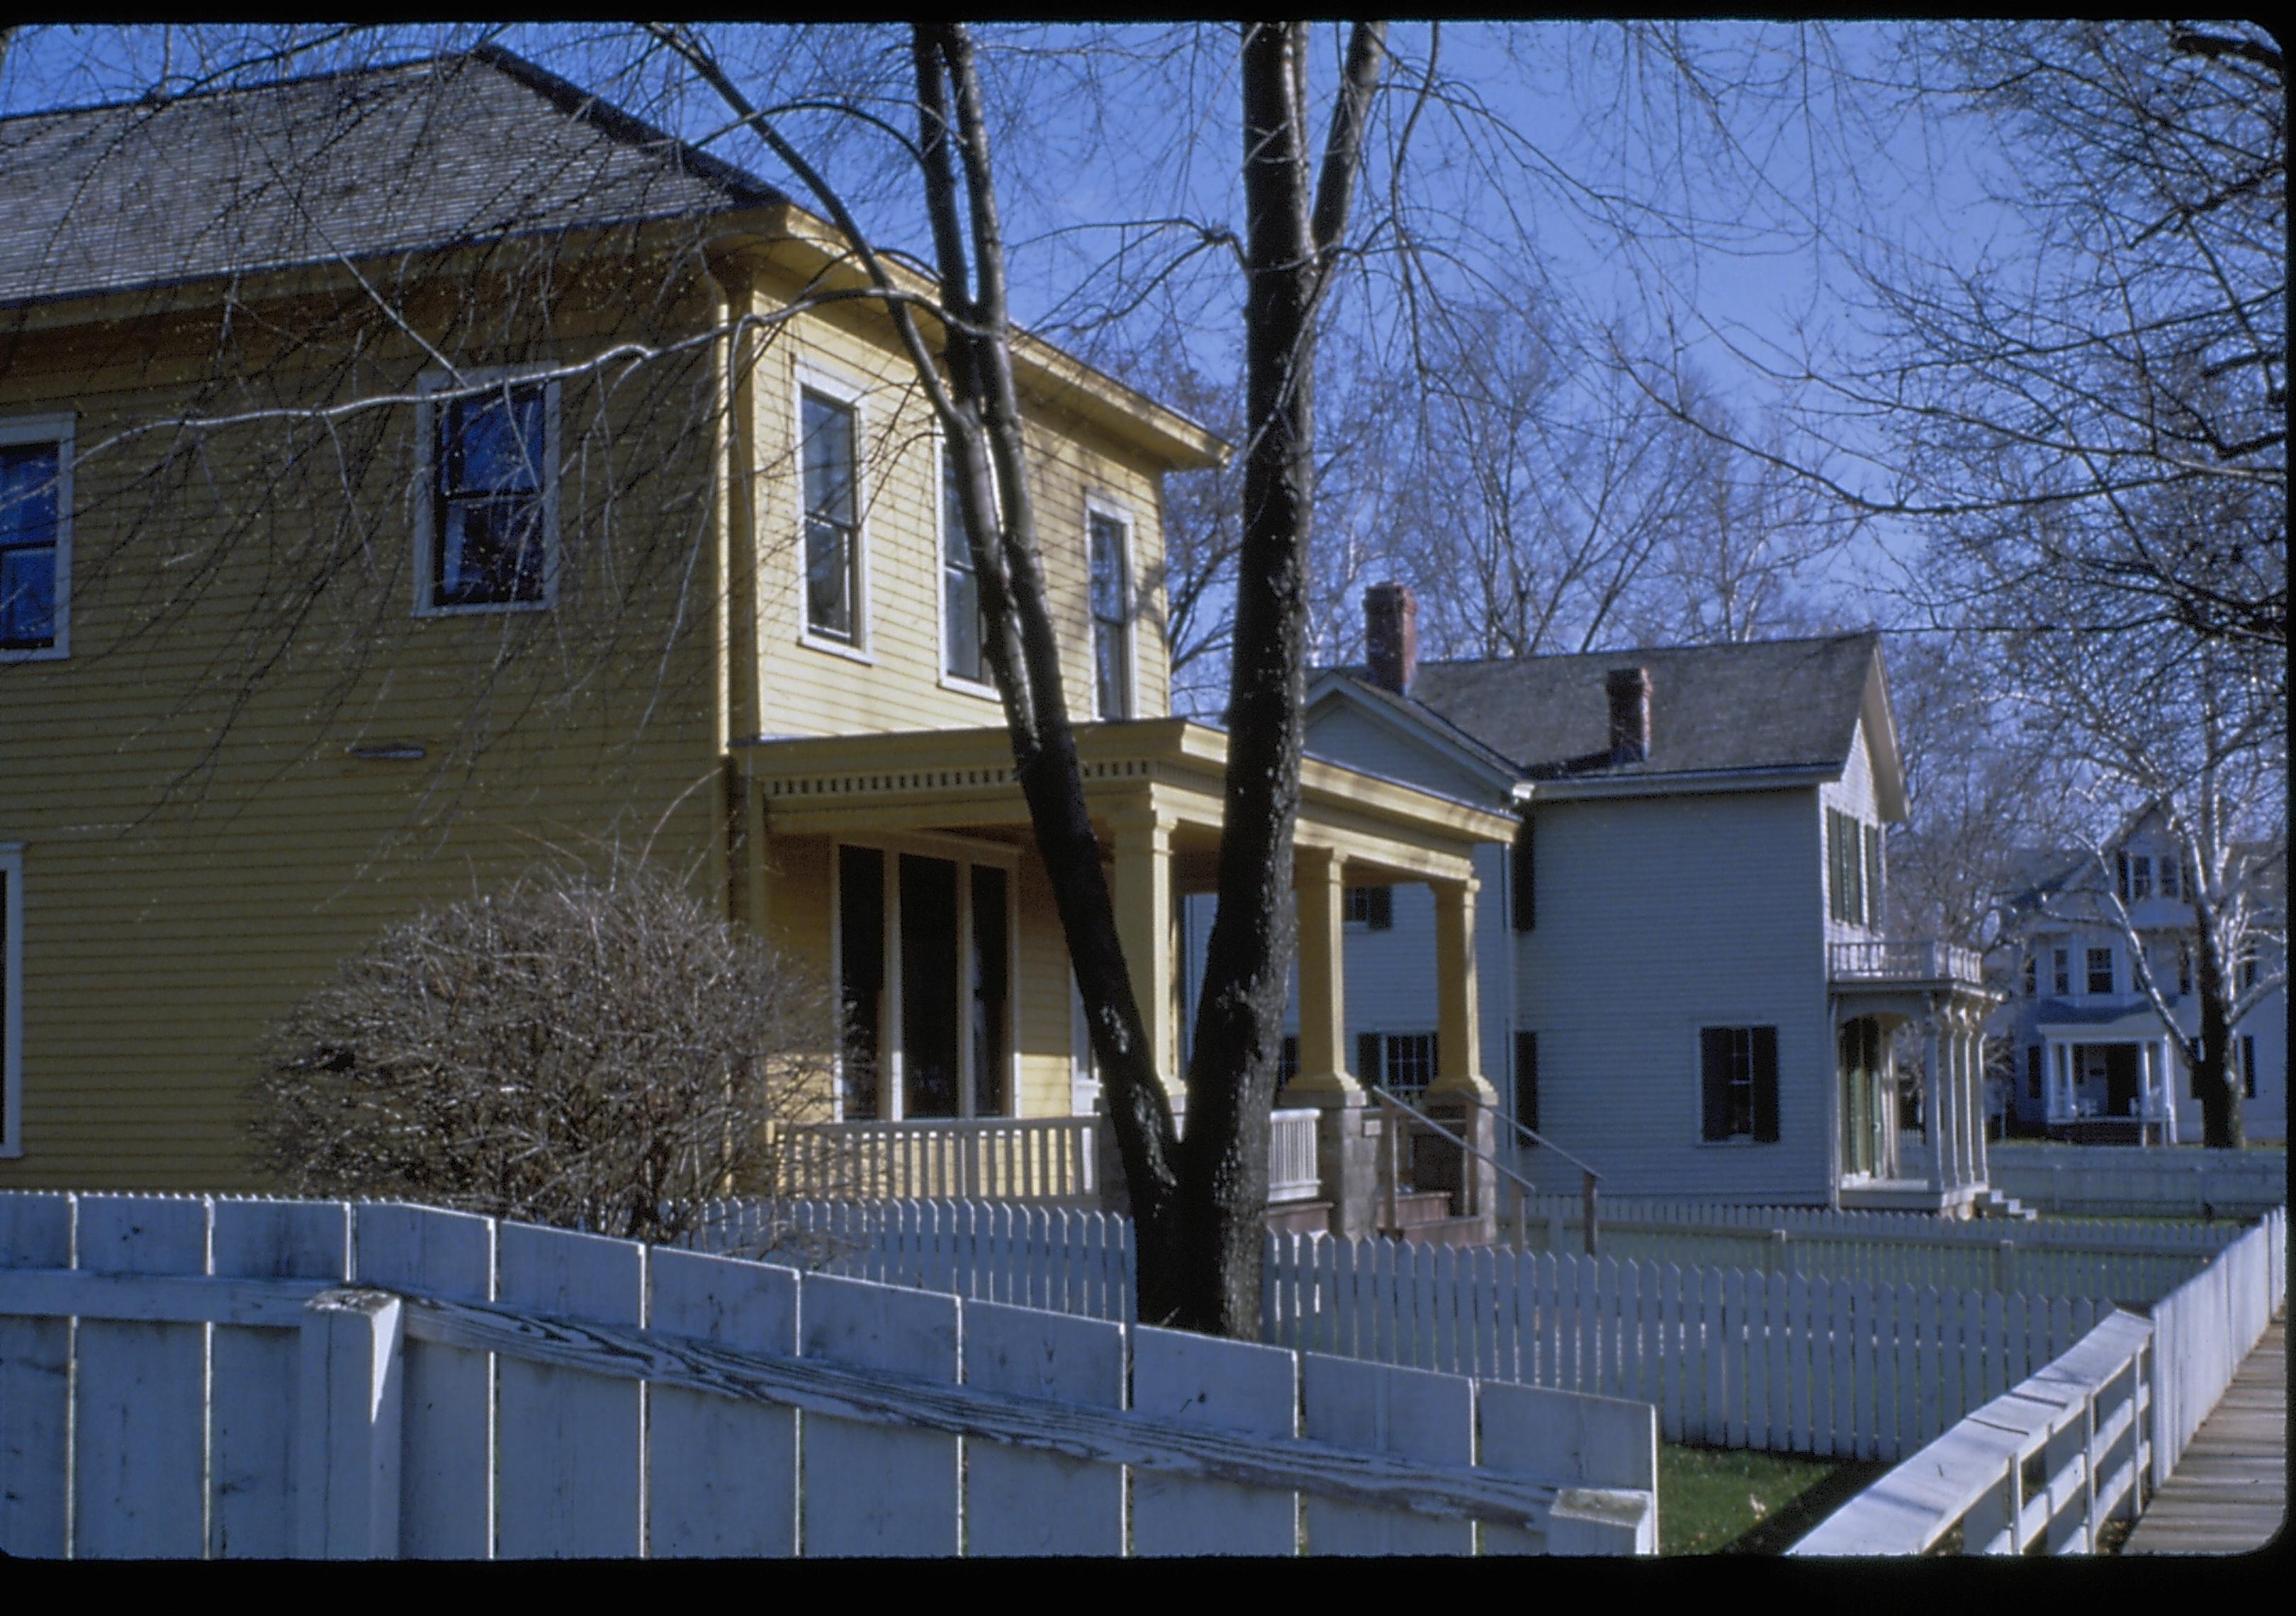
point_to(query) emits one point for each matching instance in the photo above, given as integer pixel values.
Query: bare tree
(593, 1052)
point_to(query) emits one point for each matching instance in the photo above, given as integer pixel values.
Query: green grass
(1732, 1501)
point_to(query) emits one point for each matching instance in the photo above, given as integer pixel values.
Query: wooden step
(1442, 1232)
(1299, 1218)
(1414, 1207)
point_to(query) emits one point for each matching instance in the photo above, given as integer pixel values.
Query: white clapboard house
(1684, 967)
(2093, 1061)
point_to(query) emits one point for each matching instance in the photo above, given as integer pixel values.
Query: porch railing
(1904, 960)
(938, 1159)
(1291, 1164)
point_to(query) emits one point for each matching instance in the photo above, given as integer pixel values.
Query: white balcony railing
(1291, 1173)
(1904, 960)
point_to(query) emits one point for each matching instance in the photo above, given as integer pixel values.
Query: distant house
(1686, 974)
(2092, 1059)
(413, 473)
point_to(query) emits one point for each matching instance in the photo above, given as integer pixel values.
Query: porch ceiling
(1172, 769)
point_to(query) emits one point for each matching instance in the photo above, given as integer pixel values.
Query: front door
(924, 971)
(1861, 1097)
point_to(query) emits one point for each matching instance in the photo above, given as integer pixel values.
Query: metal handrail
(1547, 1143)
(1587, 1179)
(1522, 1187)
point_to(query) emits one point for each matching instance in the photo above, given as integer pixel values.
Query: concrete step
(1414, 1207)
(1299, 1218)
(1442, 1232)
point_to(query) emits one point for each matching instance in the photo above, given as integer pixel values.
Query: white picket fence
(2039, 1469)
(2207, 1325)
(2088, 1437)
(2131, 1263)
(2159, 1181)
(1729, 1358)
(1032, 1256)
(187, 1377)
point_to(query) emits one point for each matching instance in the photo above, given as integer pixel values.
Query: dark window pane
(494, 444)
(1524, 870)
(1111, 632)
(828, 457)
(1380, 913)
(961, 625)
(828, 580)
(490, 551)
(28, 493)
(28, 597)
(861, 971)
(991, 931)
(929, 987)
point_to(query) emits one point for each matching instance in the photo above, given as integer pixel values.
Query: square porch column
(1347, 1164)
(1933, 1089)
(1143, 925)
(1460, 1097)
(1981, 1110)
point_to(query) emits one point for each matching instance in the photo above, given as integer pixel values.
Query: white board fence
(183, 1377)
(2155, 1180)
(2207, 1325)
(1730, 1359)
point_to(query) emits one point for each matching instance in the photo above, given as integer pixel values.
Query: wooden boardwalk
(2230, 1494)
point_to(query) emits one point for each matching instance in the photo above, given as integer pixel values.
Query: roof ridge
(1564, 656)
(157, 102)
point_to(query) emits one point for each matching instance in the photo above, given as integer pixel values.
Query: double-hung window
(1845, 857)
(2060, 972)
(35, 455)
(491, 542)
(11, 998)
(963, 631)
(1738, 1083)
(2100, 970)
(832, 516)
(1373, 906)
(1400, 1061)
(1111, 615)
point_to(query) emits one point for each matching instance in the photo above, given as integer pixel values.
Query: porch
(1876, 987)
(2108, 1075)
(905, 866)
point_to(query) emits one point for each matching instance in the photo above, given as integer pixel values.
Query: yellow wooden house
(413, 474)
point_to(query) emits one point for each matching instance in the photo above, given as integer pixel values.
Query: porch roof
(1173, 769)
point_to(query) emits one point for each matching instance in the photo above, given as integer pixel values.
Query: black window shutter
(1383, 909)
(2248, 1067)
(1714, 1079)
(1525, 880)
(1367, 1053)
(1766, 1084)
(1873, 876)
(1526, 1080)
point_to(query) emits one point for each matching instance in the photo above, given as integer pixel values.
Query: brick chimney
(1392, 636)
(1629, 690)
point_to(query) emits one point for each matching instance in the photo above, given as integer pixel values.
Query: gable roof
(1760, 707)
(379, 160)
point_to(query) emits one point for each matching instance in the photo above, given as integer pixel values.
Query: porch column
(1933, 1089)
(1347, 1161)
(1977, 1064)
(1144, 924)
(1460, 1096)
(2169, 1068)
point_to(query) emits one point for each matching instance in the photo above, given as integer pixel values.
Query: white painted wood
(252, 1426)
(721, 1476)
(1598, 1443)
(1222, 1385)
(139, 1472)
(868, 1490)
(36, 1231)
(1021, 1502)
(568, 1465)
(1379, 1408)
(349, 1403)
(446, 1505)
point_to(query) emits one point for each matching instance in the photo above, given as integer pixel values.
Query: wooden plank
(1018, 1501)
(446, 1505)
(1672, 1354)
(1380, 1408)
(867, 1488)
(1714, 1425)
(1904, 1306)
(139, 1467)
(36, 1231)
(255, 1374)
(1219, 1385)
(1755, 1396)
(1840, 1327)
(569, 1466)
(1595, 1443)
(721, 1476)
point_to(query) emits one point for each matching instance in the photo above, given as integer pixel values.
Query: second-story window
(2184, 967)
(2169, 878)
(2100, 970)
(1111, 617)
(963, 632)
(491, 500)
(1845, 859)
(832, 516)
(2062, 973)
(34, 471)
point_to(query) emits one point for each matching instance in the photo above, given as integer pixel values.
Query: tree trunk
(2214, 1080)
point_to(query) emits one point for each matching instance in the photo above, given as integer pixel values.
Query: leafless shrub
(599, 1052)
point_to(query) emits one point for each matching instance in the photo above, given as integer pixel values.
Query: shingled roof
(377, 161)
(1768, 705)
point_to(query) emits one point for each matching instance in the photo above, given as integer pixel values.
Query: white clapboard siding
(252, 1433)
(569, 1457)
(446, 1506)
(721, 1480)
(139, 1451)
(35, 1232)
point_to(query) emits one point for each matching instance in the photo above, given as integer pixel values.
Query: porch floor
(1905, 1195)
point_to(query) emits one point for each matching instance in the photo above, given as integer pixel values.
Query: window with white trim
(1111, 615)
(11, 998)
(1738, 1083)
(2100, 970)
(490, 527)
(828, 455)
(36, 456)
(1404, 1061)
(964, 630)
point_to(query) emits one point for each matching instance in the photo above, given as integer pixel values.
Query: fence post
(350, 1418)
(1586, 1201)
